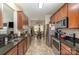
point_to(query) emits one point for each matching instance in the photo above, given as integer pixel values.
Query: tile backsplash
(71, 31)
(3, 31)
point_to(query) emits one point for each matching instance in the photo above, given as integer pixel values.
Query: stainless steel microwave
(63, 23)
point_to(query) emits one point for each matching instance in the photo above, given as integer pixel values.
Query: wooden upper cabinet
(62, 12)
(19, 20)
(25, 20)
(56, 17)
(1, 19)
(73, 14)
(52, 19)
(71, 11)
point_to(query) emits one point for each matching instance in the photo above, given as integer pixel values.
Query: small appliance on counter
(3, 39)
(58, 34)
(11, 25)
(11, 35)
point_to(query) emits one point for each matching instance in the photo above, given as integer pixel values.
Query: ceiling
(33, 11)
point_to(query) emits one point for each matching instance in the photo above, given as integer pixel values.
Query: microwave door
(64, 22)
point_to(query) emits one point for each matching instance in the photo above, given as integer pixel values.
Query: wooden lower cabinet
(25, 46)
(77, 53)
(65, 50)
(20, 48)
(12, 51)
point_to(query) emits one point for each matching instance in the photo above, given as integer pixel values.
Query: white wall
(4, 29)
(47, 19)
(7, 13)
(15, 22)
(8, 16)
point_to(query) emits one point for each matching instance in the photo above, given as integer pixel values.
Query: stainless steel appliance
(63, 23)
(3, 40)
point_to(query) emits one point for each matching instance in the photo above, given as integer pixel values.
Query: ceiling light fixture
(40, 5)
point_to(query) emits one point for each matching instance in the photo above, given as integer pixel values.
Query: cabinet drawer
(20, 48)
(25, 46)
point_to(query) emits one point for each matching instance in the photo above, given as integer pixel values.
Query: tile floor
(38, 47)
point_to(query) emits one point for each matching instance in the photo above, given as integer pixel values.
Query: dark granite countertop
(6, 48)
(56, 39)
(9, 46)
(68, 43)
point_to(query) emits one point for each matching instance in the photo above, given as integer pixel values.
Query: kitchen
(61, 32)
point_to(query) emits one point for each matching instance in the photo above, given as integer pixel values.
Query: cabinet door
(56, 17)
(12, 51)
(20, 48)
(25, 46)
(25, 20)
(73, 14)
(63, 11)
(19, 20)
(65, 50)
(77, 52)
(52, 19)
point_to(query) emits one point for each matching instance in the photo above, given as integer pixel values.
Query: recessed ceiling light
(40, 5)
